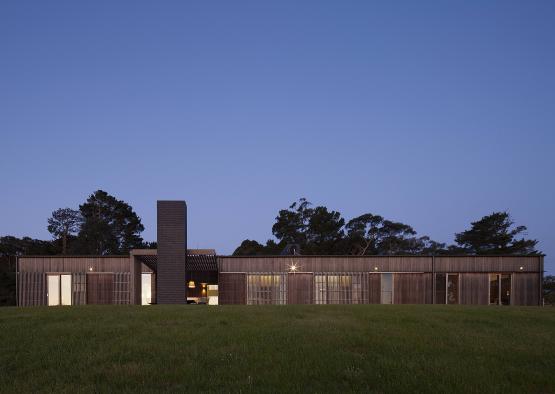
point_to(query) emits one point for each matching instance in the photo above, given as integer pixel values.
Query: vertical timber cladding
(300, 288)
(232, 288)
(100, 288)
(412, 288)
(172, 246)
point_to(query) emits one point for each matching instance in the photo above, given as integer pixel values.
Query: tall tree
(253, 248)
(63, 223)
(324, 231)
(291, 224)
(110, 226)
(364, 233)
(495, 234)
(371, 234)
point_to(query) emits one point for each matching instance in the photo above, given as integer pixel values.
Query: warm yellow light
(375, 268)
(292, 268)
(191, 284)
(521, 268)
(90, 268)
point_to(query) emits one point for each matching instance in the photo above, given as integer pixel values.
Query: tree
(13, 246)
(324, 231)
(364, 234)
(63, 223)
(495, 234)
(253, 248)
(371, 234)
(110, 226)
(291, 224)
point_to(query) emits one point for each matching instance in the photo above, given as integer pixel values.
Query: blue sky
(430, 113)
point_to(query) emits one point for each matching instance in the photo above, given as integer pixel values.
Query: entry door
(299, 288)
(100, 288)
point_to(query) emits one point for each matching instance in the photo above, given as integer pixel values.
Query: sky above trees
(429, 114)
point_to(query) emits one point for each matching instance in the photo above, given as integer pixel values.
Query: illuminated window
(331, 288)
(266, 289)
(212, 294)
(59, 290)
(146, 289)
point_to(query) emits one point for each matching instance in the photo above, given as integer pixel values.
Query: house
(173, 274)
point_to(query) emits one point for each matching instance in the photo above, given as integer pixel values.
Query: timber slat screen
(100, 288)
(31, 288)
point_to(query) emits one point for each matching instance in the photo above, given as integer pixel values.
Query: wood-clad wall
(31, 289)
(232, 289)
(412, 288)
(374, 288)
(525, 289)
(381, 264)
(487, 264)
(300, 288)
(74, 264)
(326, 264)
(474, 289)
(100, 288)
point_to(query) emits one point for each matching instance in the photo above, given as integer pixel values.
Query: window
(387, 289)
(59, 290)
(500, 289)
(266, 289)
(441, 282)
(212, 294)
(447, 288)
(494, 289)
(452, 288)
(348, 288)
(146, 289)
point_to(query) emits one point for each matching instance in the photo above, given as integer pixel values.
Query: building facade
(172, 274)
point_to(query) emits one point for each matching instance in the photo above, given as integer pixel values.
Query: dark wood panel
(374, 288)
(300, 288)
(31, 289)
(412, 288)
(474, 289)
(525, 289)
(326, 264)
(232, 289)
(100, 288)
(74, 264)
(487, 264)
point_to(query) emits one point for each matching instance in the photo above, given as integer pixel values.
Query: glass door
(53, 293)
(59, 289)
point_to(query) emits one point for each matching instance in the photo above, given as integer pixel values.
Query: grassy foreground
(361, 348)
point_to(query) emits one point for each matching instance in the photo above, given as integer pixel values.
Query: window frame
(499, 277)
(59, 275)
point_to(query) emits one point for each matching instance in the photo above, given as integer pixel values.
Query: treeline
(102, 225)
(315, 230)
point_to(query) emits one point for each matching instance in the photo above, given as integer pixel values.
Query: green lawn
(360, 348)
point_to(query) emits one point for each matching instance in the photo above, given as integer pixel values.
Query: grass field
(358, 348)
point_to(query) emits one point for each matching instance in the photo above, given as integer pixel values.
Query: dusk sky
(430, 113)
